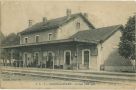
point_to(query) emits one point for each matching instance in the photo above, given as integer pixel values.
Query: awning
(49, 42)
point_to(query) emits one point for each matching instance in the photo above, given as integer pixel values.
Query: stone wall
(119, 68)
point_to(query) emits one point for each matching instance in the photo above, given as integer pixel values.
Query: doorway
(67, 55)
(86, 58)
(36, 58)
(50, 60)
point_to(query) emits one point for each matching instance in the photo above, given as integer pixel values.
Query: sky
(15, 14)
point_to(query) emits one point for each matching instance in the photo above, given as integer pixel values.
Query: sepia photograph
(67, 44)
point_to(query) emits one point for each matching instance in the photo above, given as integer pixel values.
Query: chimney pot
(68, 12)
(86, 15)
(44, 19)
(30, 22)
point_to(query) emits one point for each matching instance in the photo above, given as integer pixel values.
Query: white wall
(99, 58)
(93, 63)
(28, 56)
(110, 45)
(106, 49)
(43, 36)
(70, 28)
(62, 32)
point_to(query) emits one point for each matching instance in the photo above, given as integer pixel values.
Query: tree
(11, 39)
(5, 56)
(127, 43)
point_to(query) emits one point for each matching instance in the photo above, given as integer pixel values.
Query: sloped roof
(54, 23)
(93, 36)
(96, 35)
(39, 43)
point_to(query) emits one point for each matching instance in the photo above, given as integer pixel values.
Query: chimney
(86, 15)
(30, 23)
(44, 19)
(68, 12)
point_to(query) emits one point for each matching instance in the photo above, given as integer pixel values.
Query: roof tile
(53, 24)
(97, 35)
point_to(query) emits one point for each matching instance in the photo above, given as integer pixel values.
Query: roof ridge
(101, 28)
(108, 26)
(59, 17)
(97, 35)
(52, 23)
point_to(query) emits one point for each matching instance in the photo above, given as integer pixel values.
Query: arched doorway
(86, 58)
(36, 59)
(50, 60)
(67, 57)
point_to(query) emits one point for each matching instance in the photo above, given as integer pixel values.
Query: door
(67, 57)
(49, 62)
(86, 57)
(36, 58)
(25, 55)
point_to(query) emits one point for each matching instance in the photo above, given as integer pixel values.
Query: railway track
(114, 78)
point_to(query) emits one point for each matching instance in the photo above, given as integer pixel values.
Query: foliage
(127, 43)
(11, 39)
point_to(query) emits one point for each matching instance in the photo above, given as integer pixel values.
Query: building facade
(69, 42)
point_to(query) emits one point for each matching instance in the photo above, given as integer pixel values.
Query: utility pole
(135, 43)
(135, 30)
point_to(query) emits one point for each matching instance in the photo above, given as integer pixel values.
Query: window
(78, 25)
(37, 38)
(49, 36)
(67, 56)
(26, 39)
